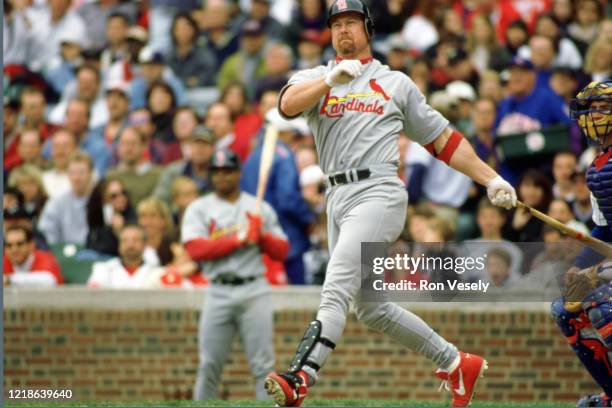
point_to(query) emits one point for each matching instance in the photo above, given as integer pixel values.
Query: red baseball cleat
(288, 389)
(461, 380)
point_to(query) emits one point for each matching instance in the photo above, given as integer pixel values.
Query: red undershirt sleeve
(202, 249)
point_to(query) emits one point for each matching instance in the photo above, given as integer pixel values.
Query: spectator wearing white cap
(465, 96)
(48, 23)
(419, 30)
(283, 193)
(153, 68)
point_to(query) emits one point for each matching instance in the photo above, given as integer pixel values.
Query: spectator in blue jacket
(283, 193)
(529, 106)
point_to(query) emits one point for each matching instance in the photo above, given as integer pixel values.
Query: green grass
(308, 403)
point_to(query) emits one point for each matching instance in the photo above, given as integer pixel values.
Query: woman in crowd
(161, 102)
(108, 211)
(234, 95)
(483, 47)
(191, 62)
(163, 247)
(534, 190)
(598, 60)
(28, 179)
(154, 216)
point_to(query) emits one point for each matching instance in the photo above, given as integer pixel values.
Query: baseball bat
(265, 163)
(597, 244)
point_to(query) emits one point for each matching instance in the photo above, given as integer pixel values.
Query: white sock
(453, 366)
(312, 374)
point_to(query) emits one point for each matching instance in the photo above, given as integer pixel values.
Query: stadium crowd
(113, 110)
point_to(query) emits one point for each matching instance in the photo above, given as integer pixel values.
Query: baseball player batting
(584, 314)
(218, 230)
(356, 108)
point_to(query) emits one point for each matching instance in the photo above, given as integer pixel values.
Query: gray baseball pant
(372, 210)
(245, 310)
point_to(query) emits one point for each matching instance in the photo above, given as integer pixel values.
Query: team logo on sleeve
(373, 101)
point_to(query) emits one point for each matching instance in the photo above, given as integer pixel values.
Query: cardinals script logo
(368, 102)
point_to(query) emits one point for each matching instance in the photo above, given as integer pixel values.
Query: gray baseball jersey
(232, 309)
(357, 124)
(211, 217)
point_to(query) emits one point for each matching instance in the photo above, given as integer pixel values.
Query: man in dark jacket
(283, 194)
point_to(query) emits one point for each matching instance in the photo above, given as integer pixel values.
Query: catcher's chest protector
(599, 181)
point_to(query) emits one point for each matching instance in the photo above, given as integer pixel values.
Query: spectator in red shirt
(24, 265)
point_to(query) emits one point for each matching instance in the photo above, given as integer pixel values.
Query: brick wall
(151, 354)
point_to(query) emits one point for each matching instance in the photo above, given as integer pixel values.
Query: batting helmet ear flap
(369, 23)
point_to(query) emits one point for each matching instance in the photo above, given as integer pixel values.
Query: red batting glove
(254, 231)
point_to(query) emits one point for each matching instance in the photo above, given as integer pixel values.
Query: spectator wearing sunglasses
(108, 211)
(24, 265)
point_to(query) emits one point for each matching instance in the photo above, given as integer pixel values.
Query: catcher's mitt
(578, 286)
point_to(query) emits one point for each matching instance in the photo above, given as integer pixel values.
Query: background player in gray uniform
(356, 107)
(218, 231)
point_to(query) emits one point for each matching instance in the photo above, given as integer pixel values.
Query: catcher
(584, 314)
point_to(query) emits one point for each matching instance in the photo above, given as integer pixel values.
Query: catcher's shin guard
(586, 343)
(598, 307)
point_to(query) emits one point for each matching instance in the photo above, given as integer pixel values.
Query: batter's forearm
(301, 97)
(467, 162)
(464, 159)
